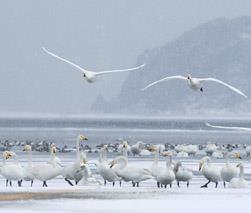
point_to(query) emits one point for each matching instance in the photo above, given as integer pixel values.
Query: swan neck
(241, 175)
(156, 157)
(30, 158)
(125, 154)
(77, 149)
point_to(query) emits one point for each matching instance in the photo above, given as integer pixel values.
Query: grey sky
(97, 35)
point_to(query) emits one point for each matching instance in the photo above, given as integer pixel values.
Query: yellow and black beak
(200, 166)
(237, 155)
(112, 164)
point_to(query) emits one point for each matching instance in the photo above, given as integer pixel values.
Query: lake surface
(108, 130)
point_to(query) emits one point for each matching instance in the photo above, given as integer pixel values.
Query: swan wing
(63, 59)
(165, 79)
(229, 127)
(224, 84)
(121, 70)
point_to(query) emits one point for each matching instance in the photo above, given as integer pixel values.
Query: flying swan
(91, 76)
(195, 83)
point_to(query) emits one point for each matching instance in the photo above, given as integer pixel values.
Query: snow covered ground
(92, 197)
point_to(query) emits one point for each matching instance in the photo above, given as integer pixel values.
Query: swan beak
(200, 166)
(84, 163)
(83, 138)
(237, 155)
(238, 165)
(112, 164)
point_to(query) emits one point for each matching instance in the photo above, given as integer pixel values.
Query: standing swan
(182, 174)
(195, 83)
(28, 169)
(91, 76)
(47, 171)
(209, 171)
(107, 173)
(166, 176)
(155, 169)
(229, 171)
(239, 182)
(12, 171)
(130, 173)
(75, 170)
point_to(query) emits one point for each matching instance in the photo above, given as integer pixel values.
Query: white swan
(28, 169)
(196, 83)
(107, 173)
(155, 168)
(209, 171)
(182, 174)
(137, 148)
(130, 173)
(166, 175)
(47, 171)
(239, 182)
(210, 148)
(228, 171)
(229, 127)
(74, 171)
(12, 171)
(91, 76)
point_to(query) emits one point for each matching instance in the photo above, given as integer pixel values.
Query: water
(108, 130)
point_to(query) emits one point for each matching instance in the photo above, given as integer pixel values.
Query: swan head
(153, 148)
(7, 155)
(53, 148)
(189, 76)
(203, 161)
(112, 163)
(27, 148)
(125, 144)
(237, 155)
(83, 163)
(82, 138)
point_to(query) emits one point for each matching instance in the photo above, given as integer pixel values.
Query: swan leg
(161, 185)
(133, 184)
(113, 184)
(201, 89)
(120, 183)
(104, 182)
(187, 184)
(216, 184)
(67, 180)
(165, 185)
(10, 183)
(45, 184)
(178, 184)
(32, 183)
(19, 183)
(138, 184)
(158, 184)
(205, 185)
(170, 185)
(7, 181)
(76, 182)
(224, 183)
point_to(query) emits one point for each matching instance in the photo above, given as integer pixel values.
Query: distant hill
(220, 48)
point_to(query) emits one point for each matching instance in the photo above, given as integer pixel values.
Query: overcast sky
(97, 35)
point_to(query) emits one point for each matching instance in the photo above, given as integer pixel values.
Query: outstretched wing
(229, 127)
(224, 84)
(122, 70)
(65, 60)
(165, 79)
